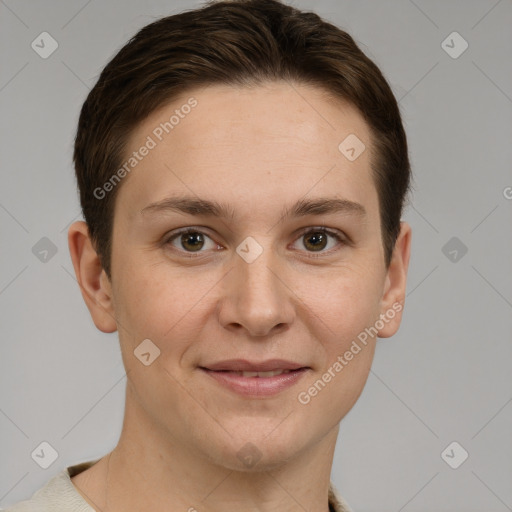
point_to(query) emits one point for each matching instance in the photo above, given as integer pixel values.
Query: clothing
(60, 495)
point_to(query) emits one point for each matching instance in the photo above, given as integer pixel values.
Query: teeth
(271, 373)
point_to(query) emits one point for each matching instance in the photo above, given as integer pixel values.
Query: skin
(256, 150)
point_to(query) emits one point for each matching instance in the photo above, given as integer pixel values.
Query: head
(254, 125)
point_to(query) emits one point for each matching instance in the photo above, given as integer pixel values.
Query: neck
(148, 470)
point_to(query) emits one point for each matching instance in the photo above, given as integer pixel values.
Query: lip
(243, 365)
(256, 387)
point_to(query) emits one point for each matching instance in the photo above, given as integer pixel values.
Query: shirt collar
(336, 502)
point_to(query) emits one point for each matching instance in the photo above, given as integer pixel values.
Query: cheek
(166, 306)
(346, 308)
(346, 314)
(345, 301)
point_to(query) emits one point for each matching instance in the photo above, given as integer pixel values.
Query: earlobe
(94, 284)
(393, 300)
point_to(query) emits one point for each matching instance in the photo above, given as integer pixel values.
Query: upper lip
(242, 365)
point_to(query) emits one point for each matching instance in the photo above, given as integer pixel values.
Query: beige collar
(66, 487)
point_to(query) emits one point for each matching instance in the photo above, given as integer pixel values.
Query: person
(242, 170)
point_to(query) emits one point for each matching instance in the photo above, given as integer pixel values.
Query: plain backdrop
(444, 378)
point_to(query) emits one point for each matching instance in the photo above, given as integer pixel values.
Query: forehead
(249, 144)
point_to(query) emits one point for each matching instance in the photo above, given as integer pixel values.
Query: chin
(263, 449)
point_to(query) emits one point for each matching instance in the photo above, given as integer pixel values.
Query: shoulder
(43, 499)
(57, 495)
(336, 502)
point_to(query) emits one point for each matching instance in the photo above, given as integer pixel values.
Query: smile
(271, 373)
(256, 380)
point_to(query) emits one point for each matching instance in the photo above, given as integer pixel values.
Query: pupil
(318, 237)
(194, 237)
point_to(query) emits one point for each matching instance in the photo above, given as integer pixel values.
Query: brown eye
(190, 241)
(317, 240)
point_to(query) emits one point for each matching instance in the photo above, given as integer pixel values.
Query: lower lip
(257, 386)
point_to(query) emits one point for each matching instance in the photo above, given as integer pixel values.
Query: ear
(93, 281)
(393, 300)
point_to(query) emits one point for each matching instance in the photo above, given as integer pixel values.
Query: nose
(256, 298)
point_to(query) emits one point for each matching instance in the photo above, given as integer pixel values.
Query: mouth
(256, 379)
(261, 375)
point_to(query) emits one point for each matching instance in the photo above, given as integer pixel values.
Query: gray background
(444, 377)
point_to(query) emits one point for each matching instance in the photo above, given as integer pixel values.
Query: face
(282, 268)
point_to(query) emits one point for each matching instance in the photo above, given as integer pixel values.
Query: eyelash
(319, 229)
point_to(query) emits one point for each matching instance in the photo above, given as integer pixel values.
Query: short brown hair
(234, 42)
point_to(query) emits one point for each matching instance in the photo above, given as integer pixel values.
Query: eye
(317, 239)
(190, 240)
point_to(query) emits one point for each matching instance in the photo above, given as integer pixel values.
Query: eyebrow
(196, 206)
